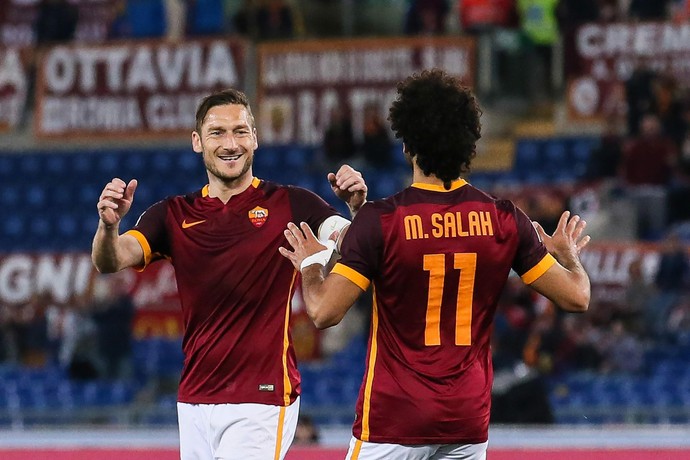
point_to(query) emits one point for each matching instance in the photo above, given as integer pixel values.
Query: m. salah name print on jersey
(449, 225)
(258, 216)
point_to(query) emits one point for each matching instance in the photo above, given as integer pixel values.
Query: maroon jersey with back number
(438, 261)
(235, 288)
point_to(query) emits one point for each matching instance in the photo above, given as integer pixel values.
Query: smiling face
(227, 140)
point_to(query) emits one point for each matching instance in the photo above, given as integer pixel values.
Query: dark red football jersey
(235, 288)
(438, 261)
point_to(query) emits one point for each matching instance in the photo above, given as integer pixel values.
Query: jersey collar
(439, 188)
(255, 183)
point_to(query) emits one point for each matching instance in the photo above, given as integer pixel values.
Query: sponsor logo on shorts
(267, 387)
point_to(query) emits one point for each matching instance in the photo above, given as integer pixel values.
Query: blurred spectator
(612, 11)
(479, 15)
(648, 10)
(177, 18)
(426, 17)
(579, 349)
(306, 433)
(574, 13)
(639, 293)
(648, 158)
(56, 22)
(338, 140)
(571, 14)
(604, 160)
(244, 20)
(30, 332)
(376, 144)
(670, 280)
(119, 24)
(266, 19)
(679, 192)
(540, 27)
(640, 97)
(275, 20)
(646, 171)
(680, 10)
(623, 352)
(113, 317)
(679, 322)
(74, 332)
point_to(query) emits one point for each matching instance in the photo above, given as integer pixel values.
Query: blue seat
(9, 195)
(580, 152)
(207, 17)
(30, 165)
(134, 164)
(36, 196)
(8, 166)
(67, 225)
(109, 164)
(40, 226)
(268, 159)
(146, 18)
(83, 164)
(527, 154)
(384, 185)
(297, 158)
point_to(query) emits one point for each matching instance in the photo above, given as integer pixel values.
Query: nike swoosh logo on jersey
(186, 224)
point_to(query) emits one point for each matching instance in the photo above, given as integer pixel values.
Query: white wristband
(322, 257)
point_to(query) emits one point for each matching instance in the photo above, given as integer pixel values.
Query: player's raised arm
(348, 185)
(110, 251)
(565, 283)
(326, 299)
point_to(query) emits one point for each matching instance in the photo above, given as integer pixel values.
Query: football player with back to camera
(438, 254)
(238, 397)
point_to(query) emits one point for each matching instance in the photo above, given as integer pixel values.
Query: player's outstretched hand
(348, 185)
(303, 243)
(567, 237)
(115, 200)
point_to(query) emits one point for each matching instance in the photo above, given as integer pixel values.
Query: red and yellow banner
(601, 57)
(132, 88)
(300, 83)
(13, 87)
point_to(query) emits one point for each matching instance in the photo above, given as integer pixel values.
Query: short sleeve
(362, 248)
(532, 259)
(308, 207)
(150, 231)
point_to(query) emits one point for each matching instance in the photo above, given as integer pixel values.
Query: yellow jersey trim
(535, 272)
(439, 188)
(255, 183)
(366, 406)
(287, 386)
(356, 450)
(279, 434)
(143, 242)
(353, 275)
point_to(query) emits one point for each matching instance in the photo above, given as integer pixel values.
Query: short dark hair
(224, 97)
(438, 120)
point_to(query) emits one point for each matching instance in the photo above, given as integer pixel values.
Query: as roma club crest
(258, 216)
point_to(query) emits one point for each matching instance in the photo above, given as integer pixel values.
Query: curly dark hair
(224, 97)
(438, 120)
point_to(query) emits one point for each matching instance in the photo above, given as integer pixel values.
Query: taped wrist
(322, 257)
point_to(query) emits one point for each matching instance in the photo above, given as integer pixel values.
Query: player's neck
(418, 177)
(224, 189)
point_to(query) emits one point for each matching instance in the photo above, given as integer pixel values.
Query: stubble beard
(228, 179)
